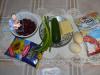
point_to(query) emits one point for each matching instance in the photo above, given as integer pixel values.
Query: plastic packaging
(89, 26)
(54, 66)
(24, 50)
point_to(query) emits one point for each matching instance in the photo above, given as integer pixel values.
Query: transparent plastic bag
(56, 66)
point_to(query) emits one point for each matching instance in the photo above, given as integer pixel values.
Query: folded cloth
(24, 50)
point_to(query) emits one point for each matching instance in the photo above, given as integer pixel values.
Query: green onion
(47, 39)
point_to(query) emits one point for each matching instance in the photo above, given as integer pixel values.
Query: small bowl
(27, 15)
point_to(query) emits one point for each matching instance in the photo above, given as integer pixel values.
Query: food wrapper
(89, 26)
(24, 50)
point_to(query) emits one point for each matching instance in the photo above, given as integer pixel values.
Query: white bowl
(27, 15)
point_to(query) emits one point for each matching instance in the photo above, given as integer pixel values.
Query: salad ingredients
(56, 36)
(14, 17)
(65, 27)
(14, 23)
(77, 37)
(17, 25)
(47, 38)
(27, 27)
(75, 48)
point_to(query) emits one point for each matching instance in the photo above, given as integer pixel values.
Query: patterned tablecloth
(61, 55)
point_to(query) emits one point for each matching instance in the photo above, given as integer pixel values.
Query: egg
(77, 37)
(74, 48)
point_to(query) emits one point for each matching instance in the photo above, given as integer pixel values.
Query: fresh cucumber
(56, 36)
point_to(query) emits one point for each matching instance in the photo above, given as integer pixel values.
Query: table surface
(86, 67)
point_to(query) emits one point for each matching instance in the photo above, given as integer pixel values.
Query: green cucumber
(56, 36)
